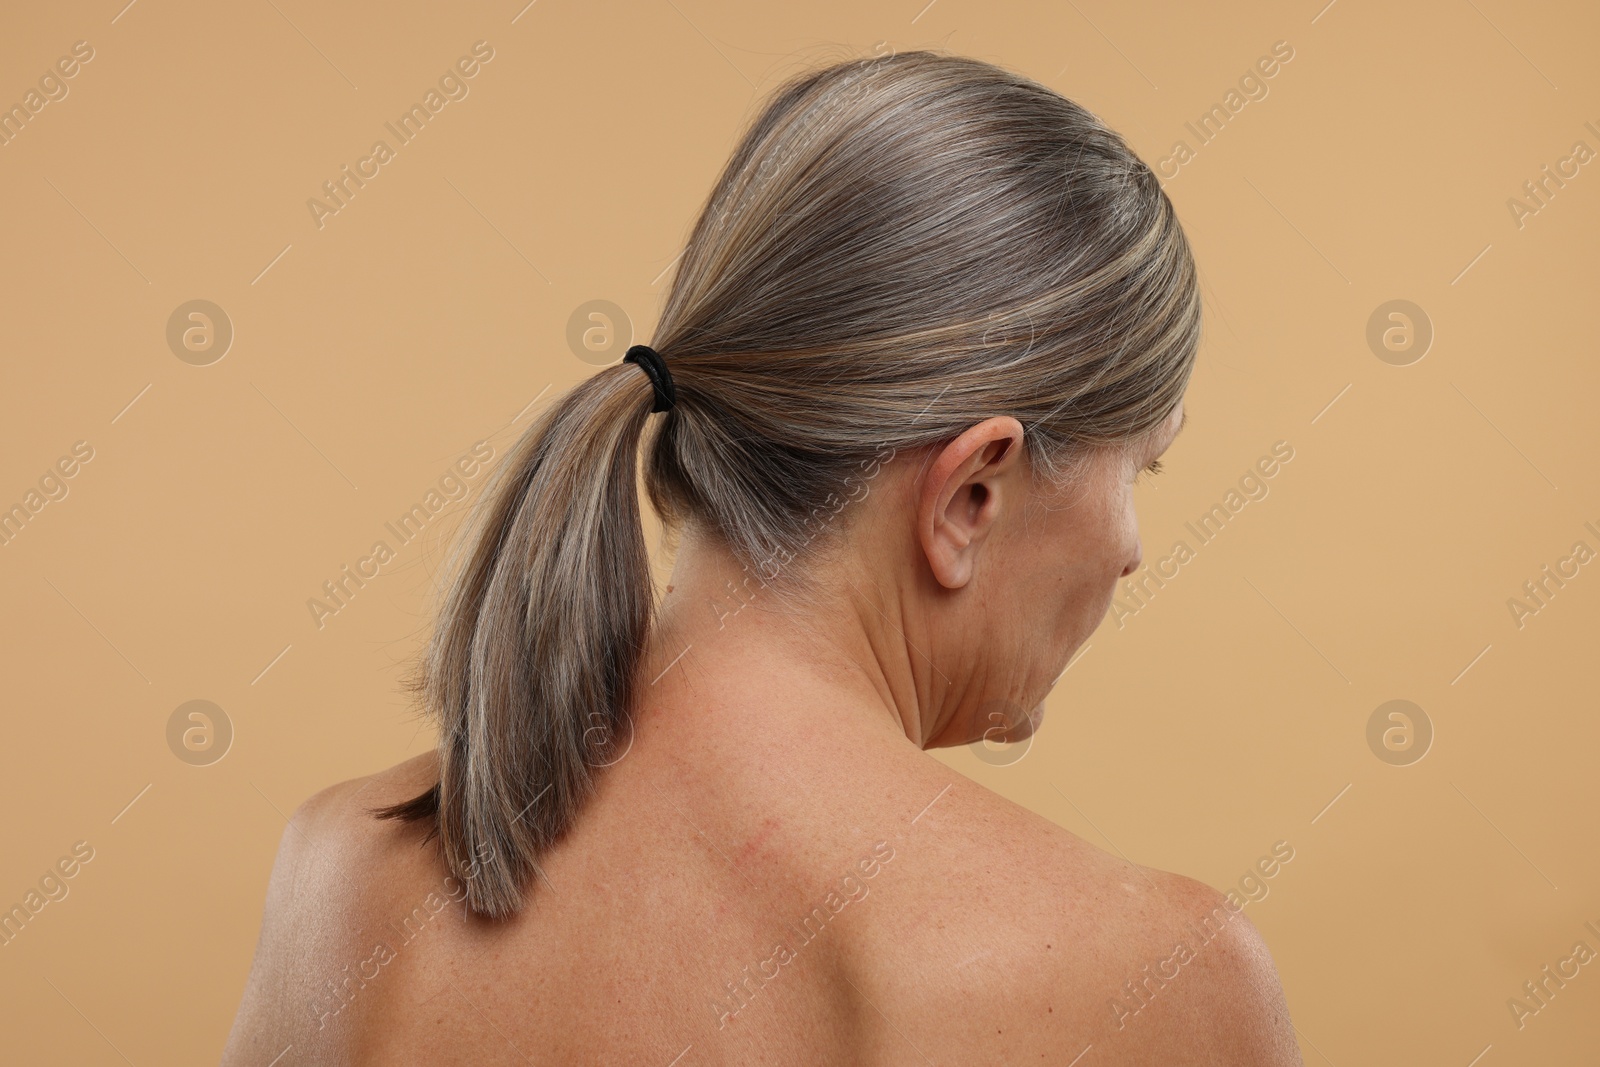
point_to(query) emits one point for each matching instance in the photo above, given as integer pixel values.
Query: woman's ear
(965, 491)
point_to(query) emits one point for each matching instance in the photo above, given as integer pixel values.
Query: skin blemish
(769, 826)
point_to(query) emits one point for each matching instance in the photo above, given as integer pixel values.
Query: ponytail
(529, 674)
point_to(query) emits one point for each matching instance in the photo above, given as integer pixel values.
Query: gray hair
(899, 247)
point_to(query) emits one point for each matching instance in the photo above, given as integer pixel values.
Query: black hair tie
(650, 361)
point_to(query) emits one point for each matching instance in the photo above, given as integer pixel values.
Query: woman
(931, 324)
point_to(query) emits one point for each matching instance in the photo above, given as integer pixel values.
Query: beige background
(1228, 714)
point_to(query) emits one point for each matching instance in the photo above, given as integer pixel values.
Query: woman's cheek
(1132, 550)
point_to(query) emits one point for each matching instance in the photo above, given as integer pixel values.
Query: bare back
(874, 907)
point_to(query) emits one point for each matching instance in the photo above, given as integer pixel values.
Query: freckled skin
(767, 767)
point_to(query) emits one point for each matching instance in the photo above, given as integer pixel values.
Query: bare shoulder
(346, 806)
(1234, 1010)
(1143, 964)
(333, 860)
(334, 844)
(334, 836)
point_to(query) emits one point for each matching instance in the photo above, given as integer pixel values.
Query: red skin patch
(769, 826)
